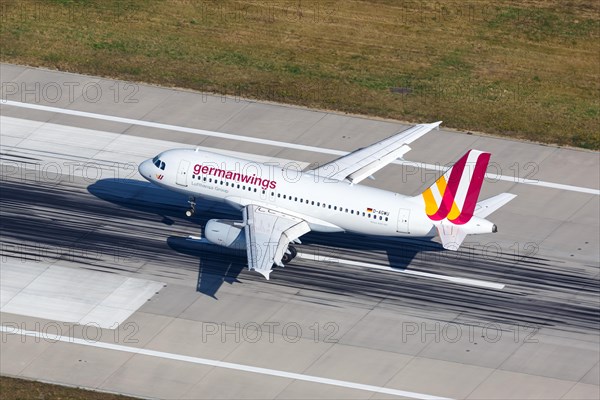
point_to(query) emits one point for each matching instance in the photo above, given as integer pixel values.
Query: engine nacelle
(226, 232)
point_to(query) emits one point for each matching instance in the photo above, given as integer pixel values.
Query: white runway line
(277, 143)
(222, 364)
(453, 279)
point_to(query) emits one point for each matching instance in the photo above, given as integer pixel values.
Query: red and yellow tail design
(454, 195)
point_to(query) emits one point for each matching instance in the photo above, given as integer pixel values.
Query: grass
(17, 389)
(527, 69)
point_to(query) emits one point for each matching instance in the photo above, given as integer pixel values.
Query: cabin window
(363, 213)
(351, 211)
(220, 183)
(278, 194)
(386, 218)
(318, 204)
(295, 199)
(335, 207)
(312, 203)
(324, 205)
(284, 196)
(329, 206)
(272, 194)
(346, 210)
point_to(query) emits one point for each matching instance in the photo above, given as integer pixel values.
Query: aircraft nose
(145, 169)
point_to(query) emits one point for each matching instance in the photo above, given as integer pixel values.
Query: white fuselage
(327, 205)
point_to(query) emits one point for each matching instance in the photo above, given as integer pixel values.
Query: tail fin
(452, 201)
(454, 195)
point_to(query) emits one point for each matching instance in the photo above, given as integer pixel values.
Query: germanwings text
(235, 176)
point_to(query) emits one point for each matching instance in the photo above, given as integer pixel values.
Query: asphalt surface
(82, 219)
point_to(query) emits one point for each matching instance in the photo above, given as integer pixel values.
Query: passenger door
(182, 173)
(403, 217)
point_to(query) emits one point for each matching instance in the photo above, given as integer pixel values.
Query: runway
(79, 223)
(364, 310)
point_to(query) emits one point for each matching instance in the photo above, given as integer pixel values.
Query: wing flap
(268, 234)
(377, 164)
(358, 165)
(291, 234)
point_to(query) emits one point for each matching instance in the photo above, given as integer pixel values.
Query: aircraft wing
(268, 234)
(362, 163)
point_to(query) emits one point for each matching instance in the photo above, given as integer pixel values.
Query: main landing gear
(192, 209)
(288, 257)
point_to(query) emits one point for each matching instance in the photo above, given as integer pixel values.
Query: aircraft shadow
(217, 265)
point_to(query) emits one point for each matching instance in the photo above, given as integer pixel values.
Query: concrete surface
(536, 338)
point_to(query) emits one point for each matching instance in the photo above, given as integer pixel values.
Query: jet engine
(230, 233)
(226, 232)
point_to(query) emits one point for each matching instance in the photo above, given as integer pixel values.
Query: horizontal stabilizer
(488, 206)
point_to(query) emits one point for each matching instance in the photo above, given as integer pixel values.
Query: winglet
(264, 273)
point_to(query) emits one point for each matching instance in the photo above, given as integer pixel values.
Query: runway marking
(226, 365)
(453, 279)
(277, 143)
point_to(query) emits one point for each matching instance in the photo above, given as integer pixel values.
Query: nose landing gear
(192, 209)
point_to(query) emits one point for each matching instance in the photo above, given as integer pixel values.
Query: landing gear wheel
(192, 210)
(287, 258)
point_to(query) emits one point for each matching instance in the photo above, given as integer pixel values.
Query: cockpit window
(158, 162)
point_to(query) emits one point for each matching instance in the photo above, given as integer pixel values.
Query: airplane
(279, 205)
